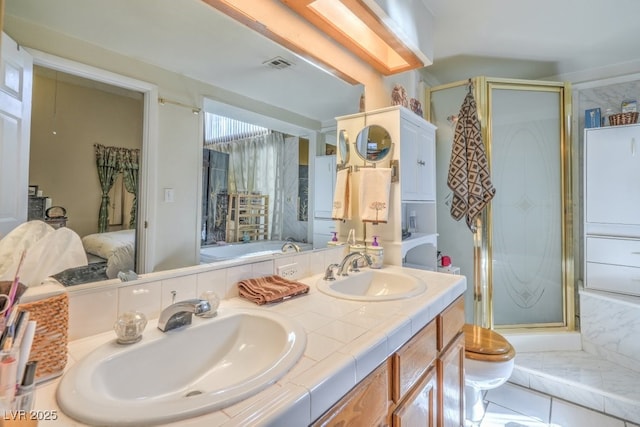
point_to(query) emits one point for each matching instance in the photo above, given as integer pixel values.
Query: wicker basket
(623, 119)
(49, 346)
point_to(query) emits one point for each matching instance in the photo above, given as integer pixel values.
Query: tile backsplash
(94, 309)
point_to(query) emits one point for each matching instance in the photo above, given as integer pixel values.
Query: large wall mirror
(55, 129)
(373, 143)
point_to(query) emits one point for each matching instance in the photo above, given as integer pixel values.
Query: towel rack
(393, 164)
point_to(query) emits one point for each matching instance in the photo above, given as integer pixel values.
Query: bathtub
(209, 254)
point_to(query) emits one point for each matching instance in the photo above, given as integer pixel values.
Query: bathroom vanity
(422, 383)
(396, 362)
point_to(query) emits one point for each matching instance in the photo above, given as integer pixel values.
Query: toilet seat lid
(485, 341)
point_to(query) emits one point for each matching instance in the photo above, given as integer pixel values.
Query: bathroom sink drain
(193, 393)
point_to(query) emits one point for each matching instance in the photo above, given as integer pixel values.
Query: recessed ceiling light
(354, 25)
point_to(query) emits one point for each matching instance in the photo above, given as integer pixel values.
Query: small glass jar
(130, 326)
(214, 303)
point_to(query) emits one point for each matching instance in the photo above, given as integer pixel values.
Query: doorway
(144, 235)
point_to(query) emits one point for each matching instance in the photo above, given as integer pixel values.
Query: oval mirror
(373, 143)
(343, 147)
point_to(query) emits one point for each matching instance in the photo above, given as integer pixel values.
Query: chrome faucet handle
(179, 314)
(289, 244)
(328, 274)
(352, 260)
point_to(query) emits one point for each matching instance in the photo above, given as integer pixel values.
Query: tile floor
(514, 406)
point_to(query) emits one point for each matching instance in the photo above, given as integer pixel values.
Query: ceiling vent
(278, 63)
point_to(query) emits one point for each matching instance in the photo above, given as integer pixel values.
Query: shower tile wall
(214, 215)
(606, 97)
(603, 315)
(291, 226)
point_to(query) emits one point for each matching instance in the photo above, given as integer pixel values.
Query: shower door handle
(633, 147)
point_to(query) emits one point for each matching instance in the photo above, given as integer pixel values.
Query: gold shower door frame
(482, 239)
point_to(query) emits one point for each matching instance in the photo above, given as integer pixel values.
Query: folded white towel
(375, 185)
(342, 196)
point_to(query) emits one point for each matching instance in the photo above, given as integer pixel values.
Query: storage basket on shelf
(623, 119)
(49, 346)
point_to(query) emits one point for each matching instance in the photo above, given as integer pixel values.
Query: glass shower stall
(519, 263)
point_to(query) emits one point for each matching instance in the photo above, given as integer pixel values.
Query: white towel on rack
(342, 196)
(375, 186)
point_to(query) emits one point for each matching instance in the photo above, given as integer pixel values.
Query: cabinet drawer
(450, 322)
(324, 227)
(412, 360)
(613, 251)
(613, 278)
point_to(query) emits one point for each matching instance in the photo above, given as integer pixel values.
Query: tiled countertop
(346, 340)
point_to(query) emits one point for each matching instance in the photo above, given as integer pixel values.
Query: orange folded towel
(264, 290)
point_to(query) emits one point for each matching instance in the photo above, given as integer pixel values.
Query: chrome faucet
(328, 274)
(180, 313)
(288, 245)
(352, 258)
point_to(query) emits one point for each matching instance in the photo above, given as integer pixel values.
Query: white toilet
(488, 364)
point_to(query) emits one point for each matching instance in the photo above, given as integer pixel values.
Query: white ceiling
(531, 39)
(500, 38)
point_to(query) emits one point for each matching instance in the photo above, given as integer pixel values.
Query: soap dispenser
(334, 240)
(376, 252)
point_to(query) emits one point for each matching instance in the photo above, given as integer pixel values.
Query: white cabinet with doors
(324, 179)
(417, 160)
(611, 209)
(413, 149)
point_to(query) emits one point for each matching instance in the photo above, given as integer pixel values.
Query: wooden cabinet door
(421, 405)
(367, 404)
(451, 384)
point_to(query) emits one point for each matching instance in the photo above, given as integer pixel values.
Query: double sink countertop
(346, 340)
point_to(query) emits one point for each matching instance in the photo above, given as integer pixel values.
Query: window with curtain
(256, 158)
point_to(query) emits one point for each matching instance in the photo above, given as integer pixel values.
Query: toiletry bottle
(351, 238)
(376, 252)
(334, 240)
(413, 225)
(26, 389)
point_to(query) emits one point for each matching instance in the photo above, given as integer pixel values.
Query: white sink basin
(373, 285)
(182, 373)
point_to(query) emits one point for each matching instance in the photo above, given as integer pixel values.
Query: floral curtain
(129, 162)
(111, 161)
(108, 168)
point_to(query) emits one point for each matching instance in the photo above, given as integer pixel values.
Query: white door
(16, 76)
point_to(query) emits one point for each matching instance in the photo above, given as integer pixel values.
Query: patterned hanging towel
(469, 177)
